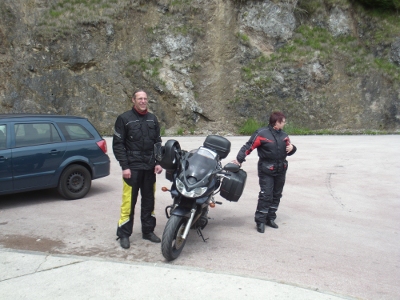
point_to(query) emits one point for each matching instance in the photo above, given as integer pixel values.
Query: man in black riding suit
(273, 145)
(135, 133)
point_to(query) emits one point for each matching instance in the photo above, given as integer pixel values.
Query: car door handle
(55, 151)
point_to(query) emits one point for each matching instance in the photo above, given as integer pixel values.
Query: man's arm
(158, 169)
(119, 148)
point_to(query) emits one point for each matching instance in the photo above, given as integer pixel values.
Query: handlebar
(225, 175)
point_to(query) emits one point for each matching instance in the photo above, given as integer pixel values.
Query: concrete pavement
(338, 234)
(28, 275)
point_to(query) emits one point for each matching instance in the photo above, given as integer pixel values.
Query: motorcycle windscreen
(200, 163)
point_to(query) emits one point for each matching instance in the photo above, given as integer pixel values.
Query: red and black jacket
(270, 145)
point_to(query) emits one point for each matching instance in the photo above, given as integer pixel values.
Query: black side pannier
(218, 144)
(232, 187)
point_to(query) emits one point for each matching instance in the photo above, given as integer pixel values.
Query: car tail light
(102, 145)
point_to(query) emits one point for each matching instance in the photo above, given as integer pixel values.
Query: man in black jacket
(273, 145)
(135, 133)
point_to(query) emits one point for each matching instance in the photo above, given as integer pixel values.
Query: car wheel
(75, 182)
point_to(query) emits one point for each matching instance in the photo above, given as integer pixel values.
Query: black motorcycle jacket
(134, 139)
(270, 144)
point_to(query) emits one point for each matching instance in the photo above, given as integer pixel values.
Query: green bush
(381, 4)
(250, 126)
(291, 129)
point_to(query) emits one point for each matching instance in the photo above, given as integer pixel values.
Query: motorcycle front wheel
(172, 241)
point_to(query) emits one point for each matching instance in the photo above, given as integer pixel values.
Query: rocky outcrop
(208, 66)
(395, 52)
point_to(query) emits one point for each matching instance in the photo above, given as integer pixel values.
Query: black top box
(218, 144)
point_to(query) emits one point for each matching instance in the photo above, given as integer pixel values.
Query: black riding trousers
(271, 187)
(143, 181)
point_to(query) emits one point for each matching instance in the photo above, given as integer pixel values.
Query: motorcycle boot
(261, 227)
(151, 237)
(271, 223)
(124, 242)
(260, 218)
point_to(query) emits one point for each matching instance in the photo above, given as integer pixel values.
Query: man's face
(140, 101)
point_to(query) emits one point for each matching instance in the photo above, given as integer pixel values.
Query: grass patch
(389, 68)
(150, 66)
(313, 38)
(291, 129)
(243, 38)
(65, 16)
(247, 73)
(180, 2)
(250, 126)
(162, 131)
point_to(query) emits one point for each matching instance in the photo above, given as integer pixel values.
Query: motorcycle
(196, 176)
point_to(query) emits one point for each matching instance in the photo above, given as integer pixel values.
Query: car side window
(30, 134)
(3, 137)
(74, 132)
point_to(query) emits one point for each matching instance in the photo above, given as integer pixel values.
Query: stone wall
(208, 66)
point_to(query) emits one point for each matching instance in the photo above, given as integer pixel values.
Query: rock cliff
(208, 66)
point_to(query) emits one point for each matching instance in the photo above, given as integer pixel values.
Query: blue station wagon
(50, 151)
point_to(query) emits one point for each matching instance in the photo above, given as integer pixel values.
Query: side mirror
(231, 167)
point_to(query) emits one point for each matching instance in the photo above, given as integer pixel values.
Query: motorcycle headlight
(197, 192)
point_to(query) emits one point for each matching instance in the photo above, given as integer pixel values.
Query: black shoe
(272, 224)
(124, 241)
(260, 227)
(151, 237)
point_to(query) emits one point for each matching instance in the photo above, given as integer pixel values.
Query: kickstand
(201, 234)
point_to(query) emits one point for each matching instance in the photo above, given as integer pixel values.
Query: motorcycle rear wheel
(172, 241)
